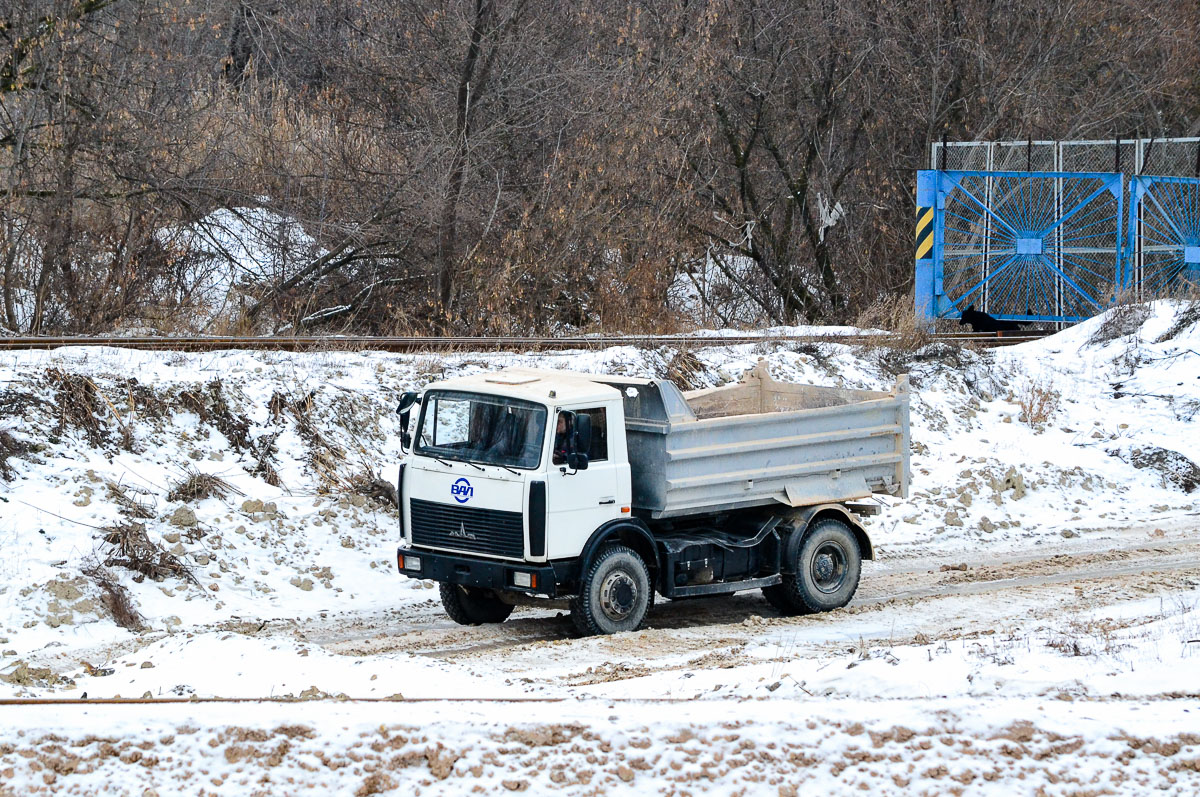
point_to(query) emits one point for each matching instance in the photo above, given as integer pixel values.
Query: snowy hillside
(177, 525)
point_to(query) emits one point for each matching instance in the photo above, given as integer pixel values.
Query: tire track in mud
(712, 633)
(951, 580)
(705, 625)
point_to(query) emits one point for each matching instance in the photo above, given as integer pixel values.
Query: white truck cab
(525, 484)
(482, 447)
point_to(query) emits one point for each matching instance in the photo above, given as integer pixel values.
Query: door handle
(608, 501)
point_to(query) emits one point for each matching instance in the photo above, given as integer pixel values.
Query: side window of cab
(598, 452)
(599, 449)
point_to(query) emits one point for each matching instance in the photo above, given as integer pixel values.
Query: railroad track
(422, 344)
(166, 701)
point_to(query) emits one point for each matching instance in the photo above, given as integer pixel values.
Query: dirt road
(768, 704)
(901, 599)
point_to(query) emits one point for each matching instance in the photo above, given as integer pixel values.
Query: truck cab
(484, 456)
(524, 485)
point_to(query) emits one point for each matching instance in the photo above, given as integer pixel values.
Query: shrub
(1125, 318)
(896, 314)
(1038, 399)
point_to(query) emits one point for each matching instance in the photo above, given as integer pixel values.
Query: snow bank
(281, 584)
(297, 438)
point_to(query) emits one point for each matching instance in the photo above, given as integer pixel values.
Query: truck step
(721, 587)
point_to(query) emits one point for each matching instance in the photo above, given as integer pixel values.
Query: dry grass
(9, 447)
(685, 370)
(141, 400)
(369, 483)
(324, 456)
(134, 551)
(1187, 318)
(196, 486)
(897, 315)
(1039, 400)
(1126, 317)
(277, 406)
(209, 403)
(129, 506)
(19, 402)
(429, 367)
(1069, 646)
(1131, 309)
(264, 449)
(115, 598)
(79, 406)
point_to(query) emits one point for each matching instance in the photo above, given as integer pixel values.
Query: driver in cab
(560, 440)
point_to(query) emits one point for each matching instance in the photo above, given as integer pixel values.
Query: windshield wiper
(473, 465)
(497, 464)
(439, 459)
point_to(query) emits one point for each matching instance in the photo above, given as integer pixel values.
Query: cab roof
(535, 384)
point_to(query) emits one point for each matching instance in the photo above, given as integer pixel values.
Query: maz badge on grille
(462, 533)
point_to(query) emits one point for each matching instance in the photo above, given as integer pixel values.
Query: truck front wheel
(825, 573)
(614, 593)
(473, 606)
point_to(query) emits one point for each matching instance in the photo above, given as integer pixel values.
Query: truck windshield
(490, 430)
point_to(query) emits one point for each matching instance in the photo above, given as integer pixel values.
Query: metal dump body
(762, 442)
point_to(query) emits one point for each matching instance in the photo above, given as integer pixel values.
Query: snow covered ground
(1031, 621)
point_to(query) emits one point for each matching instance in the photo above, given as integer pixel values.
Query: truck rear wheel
(614, 593)
(778, 596)
(825, 573)
(473, 606)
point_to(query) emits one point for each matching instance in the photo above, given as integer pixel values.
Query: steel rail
(164, 701)
(146, 701)
(419, 344)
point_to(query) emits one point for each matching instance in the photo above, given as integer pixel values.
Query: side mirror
(583, 436)
(408, 400)
(577, 461)
(405, 437)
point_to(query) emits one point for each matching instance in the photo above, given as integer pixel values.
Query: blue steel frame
(1163, 232)
(1055, 236)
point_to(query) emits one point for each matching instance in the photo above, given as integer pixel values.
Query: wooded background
(500, 166)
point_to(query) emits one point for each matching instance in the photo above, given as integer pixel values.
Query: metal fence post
(924, 288)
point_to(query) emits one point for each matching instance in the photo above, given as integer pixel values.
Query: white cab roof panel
(533, 384)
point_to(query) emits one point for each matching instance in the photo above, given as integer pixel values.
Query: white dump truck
(598, 491)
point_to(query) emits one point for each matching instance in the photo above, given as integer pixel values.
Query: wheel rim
(618, 595)
(828, 568)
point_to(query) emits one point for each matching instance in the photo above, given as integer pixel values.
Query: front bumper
(472, 571)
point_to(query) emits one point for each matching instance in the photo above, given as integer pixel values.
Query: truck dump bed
(762, 442)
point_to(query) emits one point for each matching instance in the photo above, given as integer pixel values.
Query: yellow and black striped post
(926, 280)
(924, 232)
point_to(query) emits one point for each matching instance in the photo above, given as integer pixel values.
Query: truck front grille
(486, 531)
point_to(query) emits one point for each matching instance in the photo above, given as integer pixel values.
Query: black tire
(778, 596)
(472, 605)
(825, 573)
(614, 595)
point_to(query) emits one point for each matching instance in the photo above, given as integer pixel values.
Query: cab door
(577, 502)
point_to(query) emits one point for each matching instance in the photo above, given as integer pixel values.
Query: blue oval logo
(462, 490)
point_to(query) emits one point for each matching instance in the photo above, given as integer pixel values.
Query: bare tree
(503, 166)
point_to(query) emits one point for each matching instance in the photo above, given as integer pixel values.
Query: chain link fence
(1175, 157)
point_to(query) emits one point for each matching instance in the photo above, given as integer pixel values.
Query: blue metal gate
(1163, 233)
(1022, 246)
